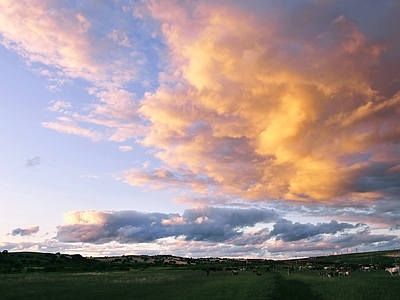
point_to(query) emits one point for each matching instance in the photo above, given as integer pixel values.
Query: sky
(212, 128)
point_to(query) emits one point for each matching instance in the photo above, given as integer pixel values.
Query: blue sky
(200, 128)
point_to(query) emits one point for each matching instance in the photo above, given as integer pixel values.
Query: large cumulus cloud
(287, 107)
(259, 101)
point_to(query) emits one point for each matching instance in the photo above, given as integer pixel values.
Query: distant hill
(20, 262)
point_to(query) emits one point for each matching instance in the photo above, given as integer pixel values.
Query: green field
(32, 275)
(163, 283)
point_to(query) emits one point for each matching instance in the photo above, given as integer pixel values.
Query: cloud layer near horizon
(207, 224)
(243, 232)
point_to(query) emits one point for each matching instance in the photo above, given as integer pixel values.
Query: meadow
(170, 283)
(32, 275)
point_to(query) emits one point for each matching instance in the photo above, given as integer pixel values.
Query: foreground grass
(373, 285)
(148, 284)
(158, 283)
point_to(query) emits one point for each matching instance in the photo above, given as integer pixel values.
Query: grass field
(163, 283)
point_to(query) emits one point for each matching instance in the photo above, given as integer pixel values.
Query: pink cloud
(125, 148)
(60, 43)
(69, 126)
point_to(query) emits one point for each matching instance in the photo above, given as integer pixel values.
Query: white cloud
(125, 148)
(59, 106)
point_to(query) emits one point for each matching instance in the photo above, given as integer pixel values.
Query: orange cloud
(85, 217)
(273, 104)
(260, 114)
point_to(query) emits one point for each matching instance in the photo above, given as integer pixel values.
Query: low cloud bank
(207, 224)
(288, 231)
(228, 225)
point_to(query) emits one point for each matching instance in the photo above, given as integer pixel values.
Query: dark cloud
(124, 226)
(25, 232)
(288, 231)
(32, 162)
(207, 224)
(377, 176)
(255, 238)
(233, 217)
(342, 243)
(221, 224)
(384, 212)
